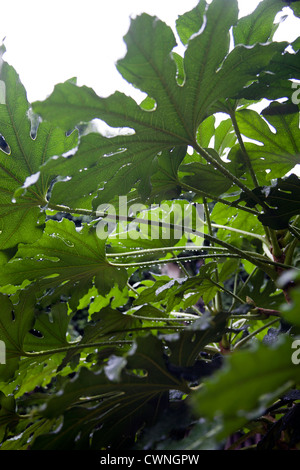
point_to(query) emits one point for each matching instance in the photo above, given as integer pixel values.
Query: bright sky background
(50, 42)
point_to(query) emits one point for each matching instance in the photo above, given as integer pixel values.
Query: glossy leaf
(64, 259)
(116, 164)
(21, 218)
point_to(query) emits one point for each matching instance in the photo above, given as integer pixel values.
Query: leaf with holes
(114, 165)
(67, 261)
(21, 218)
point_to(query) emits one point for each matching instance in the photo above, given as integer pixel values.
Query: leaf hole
(4, 146)
(36, 333)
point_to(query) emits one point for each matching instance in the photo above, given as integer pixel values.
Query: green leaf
(176, 290)
(15, 322)
(108, 324)
(64, 259)
(21, 219)
(186, 348)
(8, 415)
(199, 177)
(290, 311)
(116, 164)
(258, 26)
(276, 82)
(50, 330)
(164, 183)
(246, 385)
(280, 149)
(283, 198)
(296, 9)
(23, 440)
(191, 22)
(122, 407)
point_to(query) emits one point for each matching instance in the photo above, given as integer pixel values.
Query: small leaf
(258, 26)
(279, 150)
(283, 198)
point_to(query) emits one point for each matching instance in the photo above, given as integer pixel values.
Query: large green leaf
(115, 164)
(64, 259)
(247, 384)
(21, 219)
(123, 400)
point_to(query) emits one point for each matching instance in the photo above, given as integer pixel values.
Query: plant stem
(290, 251)
(164, 249)
(227, 174)
(74, 347)
(216, 198)
(227, 291)
(181, 265)
(294, 232)
(289, 235)
(184, 317)
(217, 300)
(276, 250)
(242, 146)
(241, 232)
(172, 260)
(232, 249)
(247, 338)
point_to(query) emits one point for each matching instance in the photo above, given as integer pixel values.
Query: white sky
(50, 42)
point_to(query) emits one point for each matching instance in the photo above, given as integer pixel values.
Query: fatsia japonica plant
(119, 330)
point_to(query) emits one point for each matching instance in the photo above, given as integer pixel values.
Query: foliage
(104, 346)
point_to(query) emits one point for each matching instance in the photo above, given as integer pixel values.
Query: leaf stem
(227, 174)
(241, 232)
(217, 300)
(254, 333)
(242, 146)
(74, 347)
(187, 187)
(232, 249)
(163, 249)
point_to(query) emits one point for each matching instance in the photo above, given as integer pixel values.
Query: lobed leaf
(212, 73)
(64, 259)
(21, 218)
